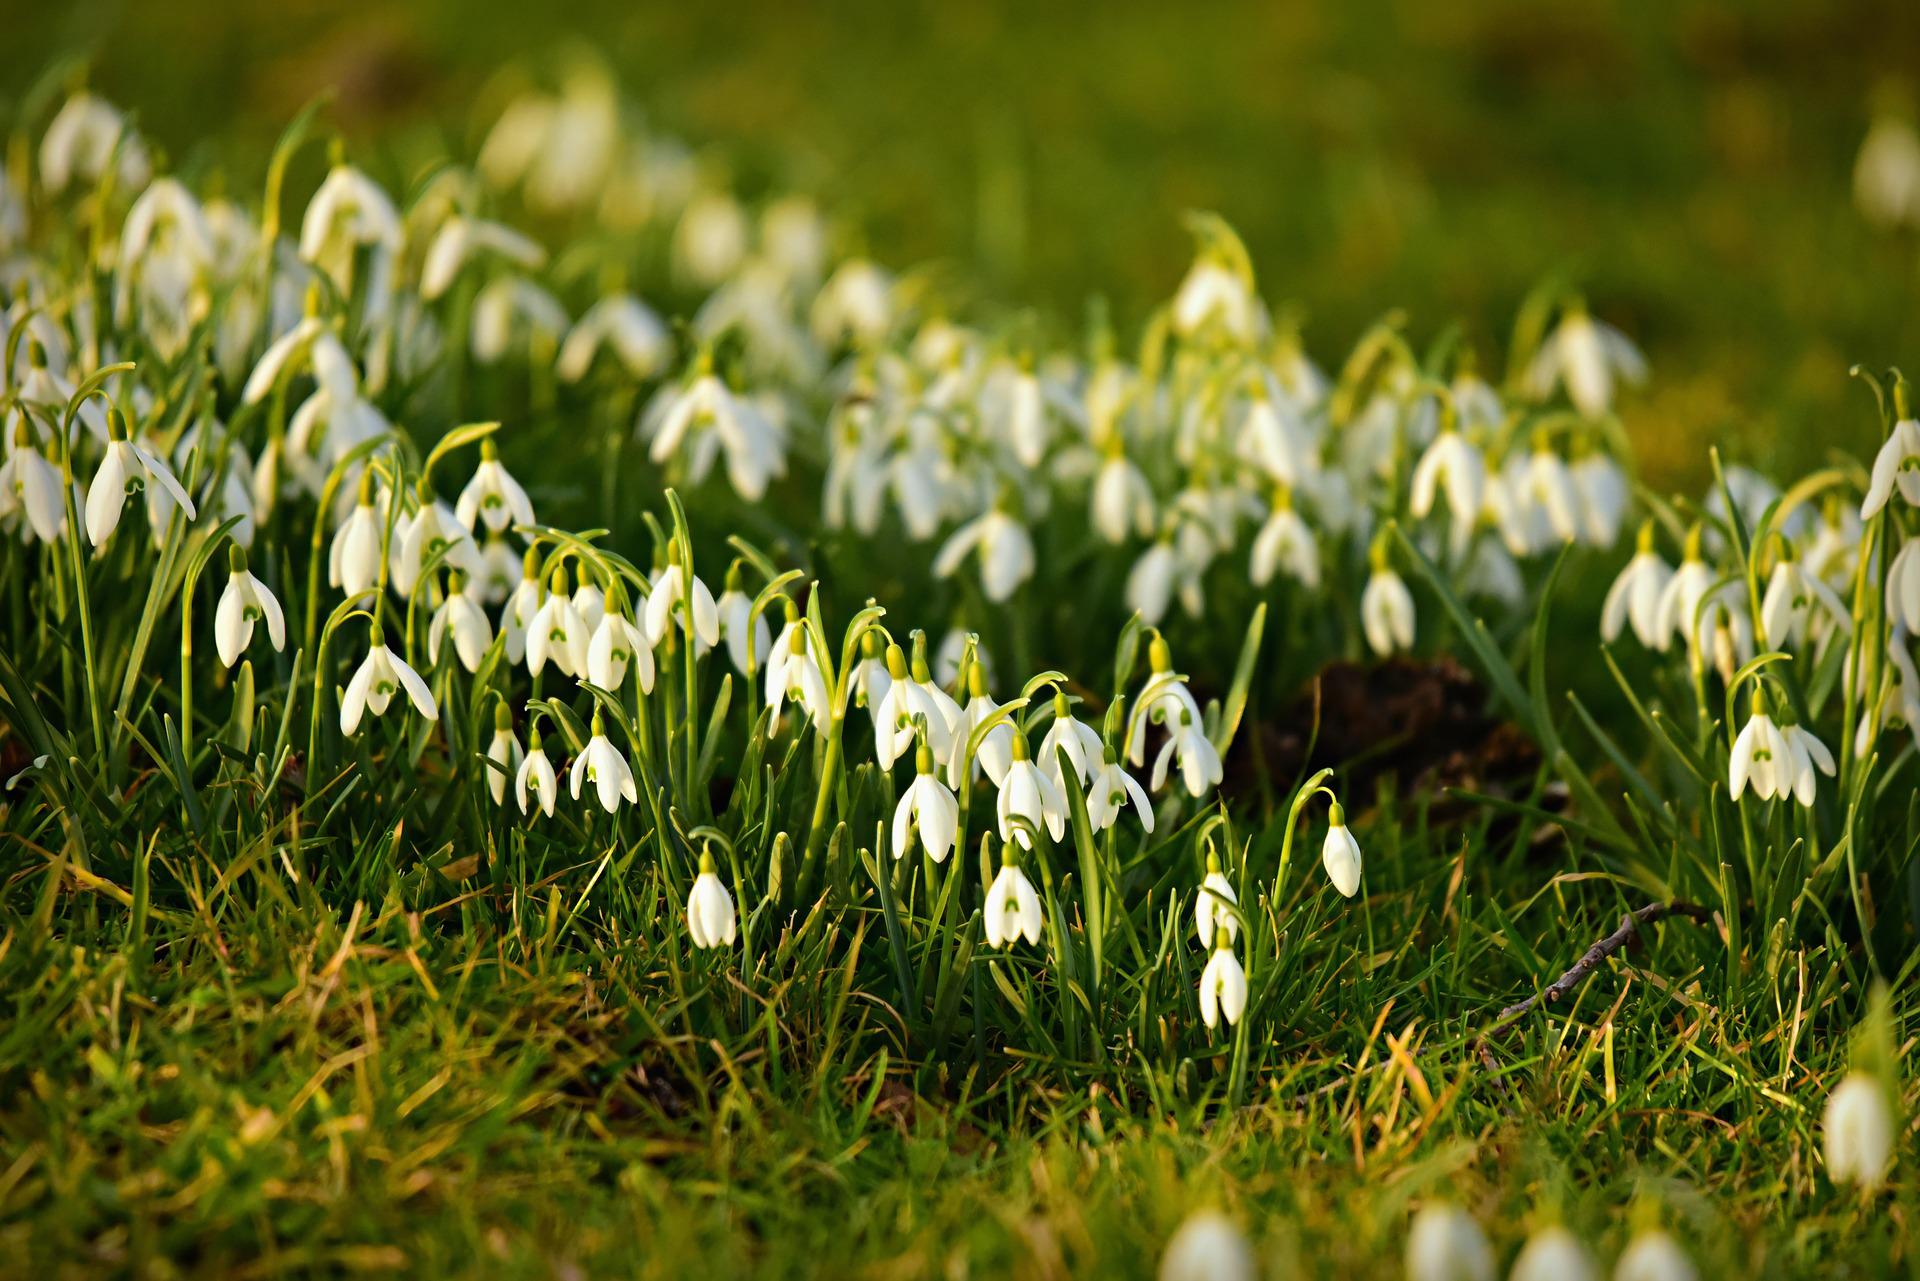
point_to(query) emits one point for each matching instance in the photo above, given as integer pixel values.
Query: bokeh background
(1688, 163)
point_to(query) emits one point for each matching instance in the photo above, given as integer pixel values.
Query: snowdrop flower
(556, 632)
(1896, 465)
(1164, 699)
(623, 324)
(995, 753)
(1899, 700)
(1586, 356)
(709, 419)
(31, 485)
(245, 601)
(1550, 487)
(710, 240)
(1805, 754)
(419, 538)
(311, 343)
(1122, 501)
(380, 676)
(1453, 466)
(1111, 789)
(1200, 766)
(126, 470)
(1386, 607)
(1903, 585)
(510, 309)
(1553, 1254)
(1016, 406)
(1492, 573)
(1214, 295)
(349, 212)
(1013, 906)
(1652, 1255)
(711, 920)
(1858, 1130)
(1028, 800)
(947, 656)
(748, 643)
(460, 614)
(870, 680)
(1636, 595)
(1223, 985)
(855, 303)
(1285, 543)
(498, 572)
(536, 775)
(1604, 497)
(523, 602)
(928, 807)
(463, 239)
(1208, 1247)
(589, 601)
(353, 558)
(618, 645)
(664, 608)
(1006, 553)
(1080, 741)
(1886, 176)
(1680, 600)
(1150, 582)
(1273, 439)
(798, 677)
(1340, 853)
(1761, 757)
(1786, 612)
(507, 760)
(83, 138)
(493, 495)
(605, 766)
(1445, 1244)
(1212, 906)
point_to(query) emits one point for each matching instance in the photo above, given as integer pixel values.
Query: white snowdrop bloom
(30, 485)
(1340, 853)
(947, 656)
(1164, 699)
(503, 751)
(1805, 754)
(1223, 986)
(605, 766)
(1285, 543)
(380, 676)
(418, 538)
(1761, 758)
(1680, 600)
(928, 807)
(1015, 406)
(995, 753)
(749, 646)
(493, 495)
(349, 212)
(1896, 465)
(1112, 789)
(617, 646)
(1006, 553)
(1587, 356)
(711, 919)
(664, 607)
(1553, 1254)
(125, 471)
(1450, 465)
(461, 240)
(1445, 1244)
(1491, 573)
(856, 303)
(622, 324)
(1151, 581)
(81, 140)
(166, 249)
(1028, 800)
(1551, 489)
(536, 775)
(1211, 295)
(793, 238)
(1200, 766)
(1080, 741)
(353, 558)
(50, 391)
(798, 677)
(1386, 611)
(1121, 505)
(1013, 908)
(1834, 550)
(499, 572)
(1886, 175)
(589, 602)
(1604, 497)
(1899, 700)
(460, 616)
(894, 715)
(1636, 594)
(523, 602)
(1858, 1130)
(710, 240)
(1208, 1246)
(510, 309)
(1522, 522)
(1903, 585)
(1725, 635)
(1210, 906)
(1653, 1255)
(245, 601)
(311, 343)
(1273, 439)
(870, 680)
(1475, 401)
(709, 419)
(1787, 610)
(556, 633)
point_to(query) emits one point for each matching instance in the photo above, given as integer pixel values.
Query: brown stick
(1589, 962)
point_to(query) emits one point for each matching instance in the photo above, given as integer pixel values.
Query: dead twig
(1590, 961)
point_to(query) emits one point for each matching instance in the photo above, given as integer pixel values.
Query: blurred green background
(1688, 163)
